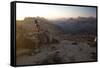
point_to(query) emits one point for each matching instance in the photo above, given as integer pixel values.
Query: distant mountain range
(63, 25)
(77, 25)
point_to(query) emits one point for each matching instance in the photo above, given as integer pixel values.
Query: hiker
(37, 34)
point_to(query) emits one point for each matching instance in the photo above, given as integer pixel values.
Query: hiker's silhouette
(37, 25)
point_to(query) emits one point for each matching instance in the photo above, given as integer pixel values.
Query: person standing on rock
(37, 34)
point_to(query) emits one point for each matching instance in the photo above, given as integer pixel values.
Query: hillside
(27, 32)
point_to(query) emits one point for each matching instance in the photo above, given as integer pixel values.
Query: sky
(52, 11)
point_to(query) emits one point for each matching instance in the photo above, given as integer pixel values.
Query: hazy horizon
(53, 11)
